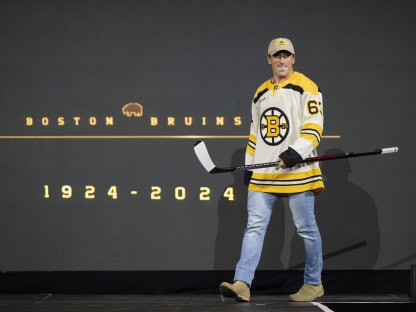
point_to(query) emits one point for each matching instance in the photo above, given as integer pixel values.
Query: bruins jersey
(288, 114)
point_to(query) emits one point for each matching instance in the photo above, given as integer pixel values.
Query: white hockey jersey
(289, 114)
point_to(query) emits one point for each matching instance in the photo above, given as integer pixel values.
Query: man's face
(282, 64)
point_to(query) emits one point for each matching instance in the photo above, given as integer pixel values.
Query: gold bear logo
(133, 109)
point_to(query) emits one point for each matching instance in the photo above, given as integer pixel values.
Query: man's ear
(268, 59)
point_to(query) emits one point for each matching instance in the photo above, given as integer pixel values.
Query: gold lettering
(153, 121)
(171, 121)
(180, 193)
(109, 121)
(188, 121)
(156, 193)
(220, 121)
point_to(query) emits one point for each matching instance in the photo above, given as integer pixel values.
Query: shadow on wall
(232, 219)
(347, 220)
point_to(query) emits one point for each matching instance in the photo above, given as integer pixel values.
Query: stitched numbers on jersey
(314, 107)
(274, 126)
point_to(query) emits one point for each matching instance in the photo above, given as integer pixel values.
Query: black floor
(192, 302)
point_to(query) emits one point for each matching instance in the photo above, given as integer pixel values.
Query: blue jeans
(259, 206)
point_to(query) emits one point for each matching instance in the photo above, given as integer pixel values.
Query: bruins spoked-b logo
(274, 126)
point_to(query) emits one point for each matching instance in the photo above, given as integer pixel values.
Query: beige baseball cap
(280, 44)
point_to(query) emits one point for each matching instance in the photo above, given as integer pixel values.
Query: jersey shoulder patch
(262, 89)
(301, 82)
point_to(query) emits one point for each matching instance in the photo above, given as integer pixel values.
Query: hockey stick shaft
(385, 150)
(203, 156)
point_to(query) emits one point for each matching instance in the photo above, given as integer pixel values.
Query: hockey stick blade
(202, 154)
(204, 158)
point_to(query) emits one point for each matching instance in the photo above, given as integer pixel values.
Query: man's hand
(280, 164)
(289, 158)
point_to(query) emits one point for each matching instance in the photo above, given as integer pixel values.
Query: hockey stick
(201, 152)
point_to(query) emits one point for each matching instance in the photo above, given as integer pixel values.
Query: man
(287, 125)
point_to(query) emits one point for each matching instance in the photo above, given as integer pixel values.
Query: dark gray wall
(199, 59)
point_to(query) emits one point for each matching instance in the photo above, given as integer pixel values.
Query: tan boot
(308, 293)
(238, 291)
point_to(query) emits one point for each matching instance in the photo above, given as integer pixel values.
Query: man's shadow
(232, 220)
(347, 219)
